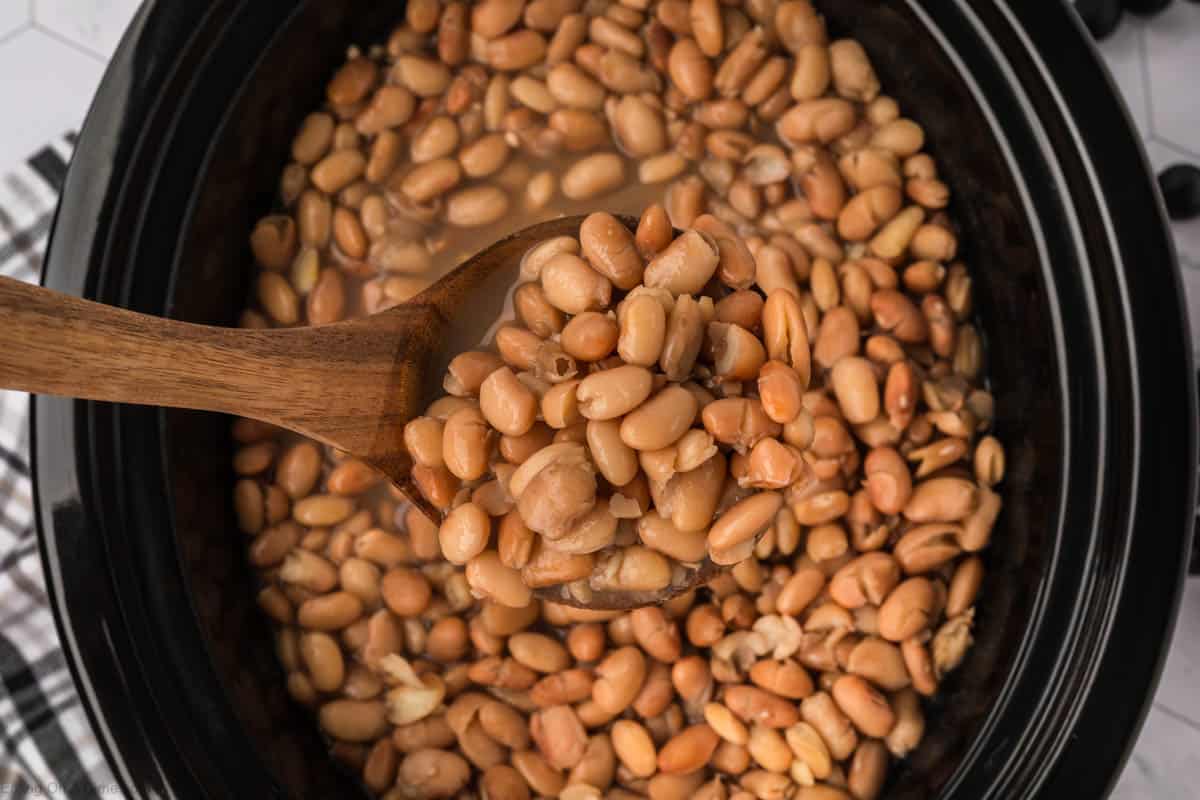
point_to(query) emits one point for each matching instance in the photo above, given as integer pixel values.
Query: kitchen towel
(49, 749)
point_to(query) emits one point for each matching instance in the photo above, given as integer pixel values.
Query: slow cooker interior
(211, 284)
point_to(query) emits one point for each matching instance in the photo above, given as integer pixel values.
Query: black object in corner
(1180, 185)
(1101, 17)
(1145, 7)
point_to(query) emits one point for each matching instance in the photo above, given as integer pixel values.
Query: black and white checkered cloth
(48, 748)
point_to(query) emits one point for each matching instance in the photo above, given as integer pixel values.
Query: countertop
(52, 56)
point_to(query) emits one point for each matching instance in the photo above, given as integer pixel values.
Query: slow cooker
(1077, 291)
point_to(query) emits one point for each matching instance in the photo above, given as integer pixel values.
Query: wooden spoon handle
(322, 381)
(62, 345)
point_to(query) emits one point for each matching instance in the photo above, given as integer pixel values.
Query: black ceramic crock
(1077, 293)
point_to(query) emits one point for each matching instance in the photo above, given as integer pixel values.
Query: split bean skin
(778, 370)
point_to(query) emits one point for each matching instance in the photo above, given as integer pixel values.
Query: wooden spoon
(351, 385)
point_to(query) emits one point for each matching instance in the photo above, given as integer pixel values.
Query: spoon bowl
(351, 385)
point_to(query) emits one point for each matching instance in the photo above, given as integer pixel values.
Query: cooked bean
(661, 534)
(609, 247)
(784, 678)
(686, 265)
(688, 750)
(632, 569)
(902, 137)
(431, 179)
(580, 130)
(352, 82)
(866, 580)
(590, 336)
(919, 665)
(812, 73)
(389, 107)
(615, 392)
(572, 286)
(406, 592)
(278, 298)
(619, 679)
(352, 478)
(866, 211)
(739, 421)
(634, 748)
(684, 338)
(533, 94)
(518, 449)
(466, 443)
(592, 176)
(820, 120)
(925, 548)
(308, 570)
(879, 662)
(322, 658)
(387, 550)
(745, 520)
(810, 750)
(866, 708)
(314, 138)
(642, 330)
(337, 170)
(690, 71)
(740, 65)
(615, 459)
(353, 720)
(737, 354)
(556, 497)
(779, 390)
(977, 527)
(661, 168)
(464, 533)
(989, 461)
(785, 333)
(322, 510)
(685, 197)
(769, 750)
(660, 421)
(907, 610)
(504, 584)
(506, 403)
(573, 88)
(535, 312)
(439, 137)
(639, 127)
(476, 206)
(964, 586)
(942, 500)
(835, 727)
(910, 724)
(755, 705)
(433, 773)
(516, 51)
(731, 759)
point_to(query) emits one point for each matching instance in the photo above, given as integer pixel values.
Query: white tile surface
(1173, 59)
(1187, 235)
(1123, 52)
(50, 69)
(1180, 687)
(95, 25)
(1166, 764)
(50, 82)
(13, 14)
